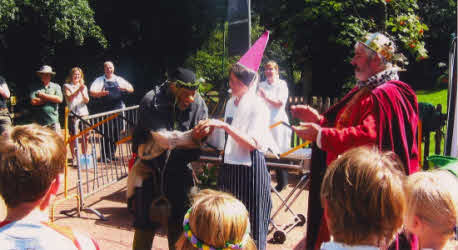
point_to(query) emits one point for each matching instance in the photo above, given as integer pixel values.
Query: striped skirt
(251, 185)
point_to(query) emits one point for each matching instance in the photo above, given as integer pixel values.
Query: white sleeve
(97, 84)
(318, 139)
(258, 126)
(123, 82)
(283, 92)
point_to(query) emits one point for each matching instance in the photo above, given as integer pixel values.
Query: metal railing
(107, 152)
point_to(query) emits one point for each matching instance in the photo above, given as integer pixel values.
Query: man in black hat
(169, 112)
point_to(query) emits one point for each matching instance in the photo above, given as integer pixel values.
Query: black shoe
(279, 187)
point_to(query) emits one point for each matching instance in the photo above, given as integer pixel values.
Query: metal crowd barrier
(107, 152)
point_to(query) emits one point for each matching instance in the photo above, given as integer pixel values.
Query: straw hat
(46, 69)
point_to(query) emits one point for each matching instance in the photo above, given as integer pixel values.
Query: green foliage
(324, 32)
(410, 32)
(211, 63)
(436, 96)
(208, 61)
(58, 20)
(208, 176)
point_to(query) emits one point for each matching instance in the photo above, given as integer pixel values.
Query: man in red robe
(380, 110)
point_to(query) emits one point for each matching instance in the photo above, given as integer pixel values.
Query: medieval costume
(159, 112)
(244, 172)
(382, 111)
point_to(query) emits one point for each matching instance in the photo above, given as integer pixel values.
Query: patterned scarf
(380, 78)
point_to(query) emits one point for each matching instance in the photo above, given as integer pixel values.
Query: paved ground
(117, 232)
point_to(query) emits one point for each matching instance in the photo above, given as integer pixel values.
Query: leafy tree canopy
(57, 20)
(324, 31)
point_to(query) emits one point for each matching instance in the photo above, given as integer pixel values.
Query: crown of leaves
(189, 85)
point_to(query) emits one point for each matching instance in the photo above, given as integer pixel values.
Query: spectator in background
(76, 96)
(31, 171)
(109, 88)
(363, 198)
(5, 119)
(432, 202)
(216, 220)
(46, 98)
(274, 91)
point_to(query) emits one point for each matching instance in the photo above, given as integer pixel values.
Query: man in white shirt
(108, 89)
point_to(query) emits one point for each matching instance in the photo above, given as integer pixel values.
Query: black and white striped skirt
(251, 185)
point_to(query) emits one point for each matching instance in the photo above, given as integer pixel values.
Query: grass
(437, 96)
(434, 96)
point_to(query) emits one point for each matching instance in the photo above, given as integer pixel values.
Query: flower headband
(202, 246)
(383, 46)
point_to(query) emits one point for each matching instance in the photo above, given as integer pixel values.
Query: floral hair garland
(202, 246)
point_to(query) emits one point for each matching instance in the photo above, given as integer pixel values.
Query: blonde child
(216, 220)
(432, 208)
(363, 199)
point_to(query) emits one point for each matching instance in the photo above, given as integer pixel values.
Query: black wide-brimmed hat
(184, 78)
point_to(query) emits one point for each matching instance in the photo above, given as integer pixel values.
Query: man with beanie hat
(165, 142)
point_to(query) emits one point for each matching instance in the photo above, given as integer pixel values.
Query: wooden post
(426, 149)
(438, 134)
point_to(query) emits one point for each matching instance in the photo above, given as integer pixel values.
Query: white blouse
(77, 104)
(251, 117)
(278, 91)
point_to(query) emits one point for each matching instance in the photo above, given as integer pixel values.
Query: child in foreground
(363, 199)
(432, 208)
(32, 160)
(216, 220)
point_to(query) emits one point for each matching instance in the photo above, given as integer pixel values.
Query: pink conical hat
(252, 58)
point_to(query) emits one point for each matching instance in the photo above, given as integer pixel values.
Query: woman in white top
(274, 91)
(244, 172)
(76, 96)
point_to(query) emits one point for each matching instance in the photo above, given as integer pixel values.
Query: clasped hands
(205, 128)
(310, 117)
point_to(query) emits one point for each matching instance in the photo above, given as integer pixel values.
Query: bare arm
(37, 101)
(241, 138)
(49, 98)
(4, 91)
(98, 94)
(125, 86)
(71, 96)
(275, 103)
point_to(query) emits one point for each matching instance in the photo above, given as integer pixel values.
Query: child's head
(31, 158)
(362, 193)
(216, 219)
(431, 204)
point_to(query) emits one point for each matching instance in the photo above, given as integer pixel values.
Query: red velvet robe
(386, 117)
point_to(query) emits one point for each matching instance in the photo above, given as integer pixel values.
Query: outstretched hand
(307, 131)
(201, 130)
(306, 113)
